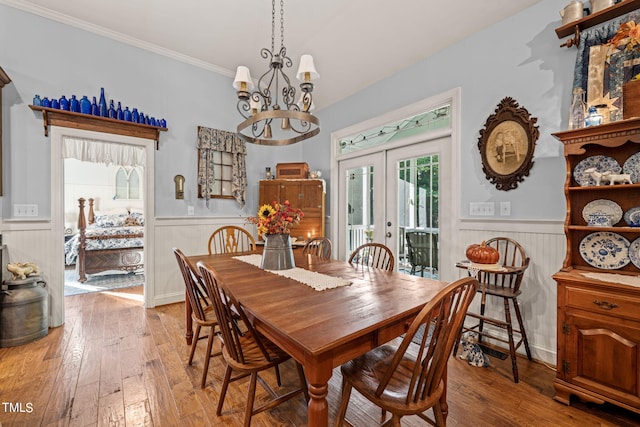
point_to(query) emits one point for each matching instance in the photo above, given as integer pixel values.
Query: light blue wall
(519, 57)
(50, 59)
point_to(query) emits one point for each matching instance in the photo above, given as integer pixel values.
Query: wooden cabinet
(305, 194)
(598, 317)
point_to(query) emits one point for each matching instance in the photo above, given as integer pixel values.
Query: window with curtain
(221, 165)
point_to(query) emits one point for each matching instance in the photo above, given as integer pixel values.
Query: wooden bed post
(92, 216)
(82, 224)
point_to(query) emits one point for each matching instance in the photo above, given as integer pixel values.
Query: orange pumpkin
(482, 254)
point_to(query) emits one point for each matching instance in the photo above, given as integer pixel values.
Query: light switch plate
(481, 209)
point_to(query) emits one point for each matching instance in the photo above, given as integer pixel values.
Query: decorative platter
(632, 217)
(605, 250)
(634, 252)
(601, 163)
(632, 167)
(604, 207)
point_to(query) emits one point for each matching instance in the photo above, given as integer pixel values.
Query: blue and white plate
(632, 167)
(601, 163)
(603, 207)
(634, 252)
(605, 250)
(632, 217)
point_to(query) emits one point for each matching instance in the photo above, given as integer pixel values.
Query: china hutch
(305, 194)
(598, 317)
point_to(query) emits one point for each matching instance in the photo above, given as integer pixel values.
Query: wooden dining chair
(246, 352)
(202, 312)
(504, 287)
(374, 255)
(231, 239)
(403, 385)
(318, 246)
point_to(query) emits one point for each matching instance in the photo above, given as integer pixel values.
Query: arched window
(127, 183)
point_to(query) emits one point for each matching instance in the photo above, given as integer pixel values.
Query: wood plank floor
(114, 363)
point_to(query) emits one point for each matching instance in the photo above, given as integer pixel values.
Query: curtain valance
(96, 151)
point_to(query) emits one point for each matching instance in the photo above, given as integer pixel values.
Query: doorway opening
(395, 185)
(147, 148)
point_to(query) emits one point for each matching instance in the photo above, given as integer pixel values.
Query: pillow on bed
(114, 220)
(138, 215)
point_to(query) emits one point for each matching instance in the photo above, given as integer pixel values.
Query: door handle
(388, 234)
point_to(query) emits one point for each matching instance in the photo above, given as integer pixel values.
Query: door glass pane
(360, 203)
(418, 215)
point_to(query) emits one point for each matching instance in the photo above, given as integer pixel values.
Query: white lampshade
(307, 66)
(243, 76)
(254, 105)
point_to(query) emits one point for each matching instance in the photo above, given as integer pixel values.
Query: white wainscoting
(545, 244)
(191, 236)
(32, 241)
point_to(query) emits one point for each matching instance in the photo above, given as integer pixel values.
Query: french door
(384, 196)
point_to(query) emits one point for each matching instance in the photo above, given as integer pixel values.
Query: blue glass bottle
(85, 105)
(112, 110)
(163, 123)
(127, 114)
(46, 103)
(37, 102)
(55, 104)
(64, 103)
(119, 112)
(135, 116)
(94, 107)
(104, 111)
(74, 104)
(152, 121)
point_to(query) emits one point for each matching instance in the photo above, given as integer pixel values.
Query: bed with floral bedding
(106, 241)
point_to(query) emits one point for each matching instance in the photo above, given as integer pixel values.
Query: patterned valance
(210, 140)
(601, 70)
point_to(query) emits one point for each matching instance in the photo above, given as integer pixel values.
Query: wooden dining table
(324, 329)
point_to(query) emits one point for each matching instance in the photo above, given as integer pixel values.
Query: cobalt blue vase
(104, 111)
(74, 104)
(85, 105)
(64, 103)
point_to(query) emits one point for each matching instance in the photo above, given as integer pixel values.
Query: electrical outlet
(191, 210)
(505, 208)
(481, 209)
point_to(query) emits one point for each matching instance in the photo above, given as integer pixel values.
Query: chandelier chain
(273, 25)
(281, 23)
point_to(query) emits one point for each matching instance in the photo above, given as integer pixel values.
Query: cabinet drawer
(611, 304)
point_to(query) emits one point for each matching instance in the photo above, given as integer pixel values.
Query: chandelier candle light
(275, 98)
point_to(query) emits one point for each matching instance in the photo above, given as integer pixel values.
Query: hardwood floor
(114, 363)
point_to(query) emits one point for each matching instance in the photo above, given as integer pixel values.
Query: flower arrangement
(628, 30)
(276, 218)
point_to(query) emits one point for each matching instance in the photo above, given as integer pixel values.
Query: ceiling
(355, 43)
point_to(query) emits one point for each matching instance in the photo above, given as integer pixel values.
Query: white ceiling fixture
(275, 100)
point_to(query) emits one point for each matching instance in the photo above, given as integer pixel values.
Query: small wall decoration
(507, 143)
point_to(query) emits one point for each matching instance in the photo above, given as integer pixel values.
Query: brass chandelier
(275, 98)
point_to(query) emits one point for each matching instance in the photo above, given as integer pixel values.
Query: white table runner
(317, 281)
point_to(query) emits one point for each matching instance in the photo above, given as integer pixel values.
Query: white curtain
(96, 151)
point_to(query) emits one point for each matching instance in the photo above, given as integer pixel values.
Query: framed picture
(507, 143)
